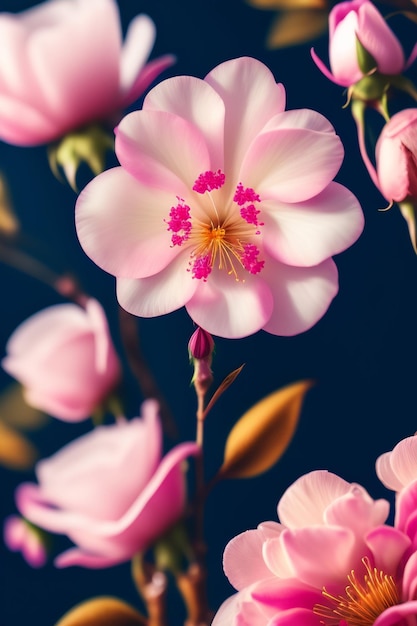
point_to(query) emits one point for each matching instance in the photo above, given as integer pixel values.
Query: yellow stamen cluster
(363, 602)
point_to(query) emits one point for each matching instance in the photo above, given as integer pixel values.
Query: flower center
(363, 601)
(222, 239)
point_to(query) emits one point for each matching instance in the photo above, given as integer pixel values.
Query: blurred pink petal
(19, 536)
(117, 494)
(65, 360)
(65, 66)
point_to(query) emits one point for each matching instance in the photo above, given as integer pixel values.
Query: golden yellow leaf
(16, 412)
(102, 611)
(263, 433)
(16, 452)
(289, 4)
(9, 224)
(292, 28)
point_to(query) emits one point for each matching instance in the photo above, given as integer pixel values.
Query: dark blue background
(362, 353)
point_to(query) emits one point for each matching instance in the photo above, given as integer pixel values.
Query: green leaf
(263, 433)
(102, 611)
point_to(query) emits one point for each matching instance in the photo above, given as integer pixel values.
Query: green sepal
(366, 61)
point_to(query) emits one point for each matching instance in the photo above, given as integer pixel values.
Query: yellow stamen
(363, 602)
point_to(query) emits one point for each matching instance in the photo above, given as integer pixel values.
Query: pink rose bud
(20, 536)
(64, 65)
(110, 491)
(201, 344)
(65, 360)
(200, 348)
(396, 154)
(396, 165)
(355, 22)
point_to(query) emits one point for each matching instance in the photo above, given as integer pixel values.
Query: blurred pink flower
(19, 536)
(109, 491)
(65, 360)
(396, 157)
(63, 66)
(330, 561)
(360, 20)
(224, 203)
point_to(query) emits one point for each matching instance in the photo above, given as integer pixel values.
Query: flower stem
(130, 337)
(192, 585)
(152, 587)
(64, 285)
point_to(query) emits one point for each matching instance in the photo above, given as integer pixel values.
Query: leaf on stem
(230, 378)
(103, 611)
(263, 433)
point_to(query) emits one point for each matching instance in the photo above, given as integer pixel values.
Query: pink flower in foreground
(331, 561)
(224, 203)
(65, 360)
(360, 20)
(109, 491)
(397, 470)
(396, 157)
(63, 65)
(19, 536)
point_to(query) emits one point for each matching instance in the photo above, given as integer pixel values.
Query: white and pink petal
(120, 225)
(229, 308)
(306, 233)
(301, 296)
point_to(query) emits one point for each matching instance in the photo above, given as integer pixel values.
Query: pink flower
(398, 469)
(396, 157)
(19, 536)
(360, 20)
(63, 66)
(330, 561)
(65, 360)
(224, 203)
(109, 491)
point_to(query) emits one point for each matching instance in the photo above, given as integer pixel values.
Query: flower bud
(396, 165)
(360, 41)
(200, 348)
(201, 344)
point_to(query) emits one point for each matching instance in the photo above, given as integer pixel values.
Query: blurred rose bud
(21, 536)
(65, 360)
(110, 491)
(396, 154)
(360, 41)
(64, 65)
